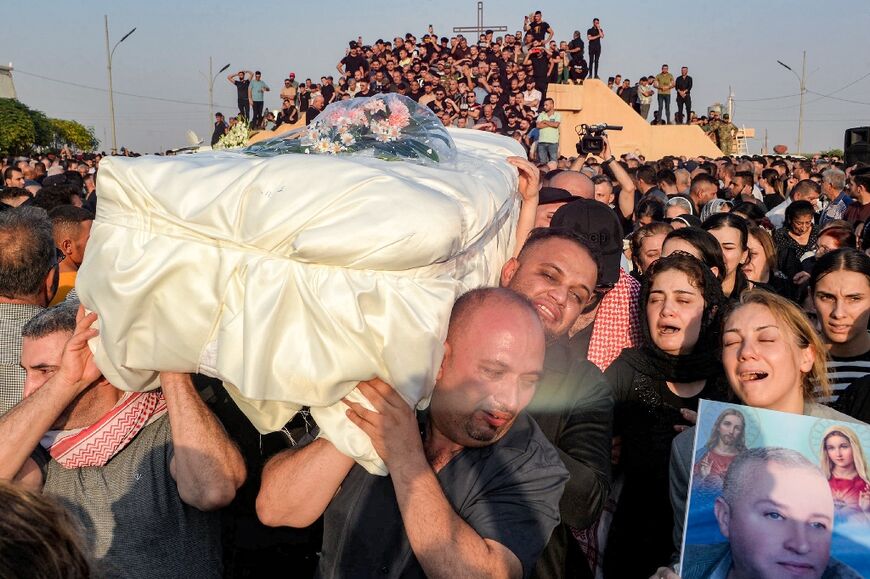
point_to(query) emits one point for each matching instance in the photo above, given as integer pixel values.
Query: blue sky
(732, 44)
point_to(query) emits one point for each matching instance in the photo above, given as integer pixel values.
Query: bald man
(475, 495)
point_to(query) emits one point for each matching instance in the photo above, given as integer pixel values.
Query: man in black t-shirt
(683, 85)
(314, 109)
(539, 29)
(473, 486)
(220, 128)
(576, 47)
(353, 62)
(327, 89)
(242, 80)
(594, 36)
(540, 63)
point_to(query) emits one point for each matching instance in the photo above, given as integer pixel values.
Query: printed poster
(774, 494)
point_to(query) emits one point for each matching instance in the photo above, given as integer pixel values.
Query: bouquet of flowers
(388, 126)
(236, 136)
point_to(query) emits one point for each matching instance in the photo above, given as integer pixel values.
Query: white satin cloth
(292, 278)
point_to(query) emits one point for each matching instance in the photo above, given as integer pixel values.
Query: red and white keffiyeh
(99, 442)
(617, 325)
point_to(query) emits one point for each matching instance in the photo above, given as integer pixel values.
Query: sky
(726, 45)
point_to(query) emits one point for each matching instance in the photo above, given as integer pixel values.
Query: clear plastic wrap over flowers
(386, 126)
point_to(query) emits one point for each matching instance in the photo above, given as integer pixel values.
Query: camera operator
(612, 167)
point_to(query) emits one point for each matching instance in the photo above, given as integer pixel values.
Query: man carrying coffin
(474, 486)
(137, 469)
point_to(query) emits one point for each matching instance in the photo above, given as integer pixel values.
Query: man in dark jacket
(573, 404)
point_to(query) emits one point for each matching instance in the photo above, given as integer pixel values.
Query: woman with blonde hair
(844, 465)
(773, 359)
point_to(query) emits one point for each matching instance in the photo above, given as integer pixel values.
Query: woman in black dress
(654, 386)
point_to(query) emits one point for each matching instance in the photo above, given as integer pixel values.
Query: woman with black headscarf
(654, 386)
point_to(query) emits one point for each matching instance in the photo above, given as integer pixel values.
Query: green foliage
(17, 132)
(74, 134)
(43, 129)
(22, 129)
(832, 153)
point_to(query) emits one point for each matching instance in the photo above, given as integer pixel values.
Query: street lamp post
(109, 55)
(211, 87)
(803, 86)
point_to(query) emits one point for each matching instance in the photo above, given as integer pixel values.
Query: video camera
(592, 138)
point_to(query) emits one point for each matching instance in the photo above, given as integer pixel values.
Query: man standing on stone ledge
(256, 90)
(594, 36)
(683, 84)
(548, 126)
(664, 82)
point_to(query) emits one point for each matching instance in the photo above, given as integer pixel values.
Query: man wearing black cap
(573, 405)
(611, 324)
(353, 62)
(550, 199)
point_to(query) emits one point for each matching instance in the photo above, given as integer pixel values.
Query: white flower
(347, 139)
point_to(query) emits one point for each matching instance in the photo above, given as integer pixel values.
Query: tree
(73, 134)
(22, 129)
(44, 133)
(17, 131)
(832, 153)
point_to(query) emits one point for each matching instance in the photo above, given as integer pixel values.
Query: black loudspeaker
(856, 146)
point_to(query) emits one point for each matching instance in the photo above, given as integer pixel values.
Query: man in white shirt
(531, 96)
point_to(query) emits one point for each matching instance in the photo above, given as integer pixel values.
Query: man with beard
(727, 440)
(573, 405)
(474, 486)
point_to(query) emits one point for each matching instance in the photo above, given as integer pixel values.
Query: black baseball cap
(549, 195)
(600, 227)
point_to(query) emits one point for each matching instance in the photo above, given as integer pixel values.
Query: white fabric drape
(292, 278)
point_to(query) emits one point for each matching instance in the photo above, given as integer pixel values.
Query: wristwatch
(610, 160)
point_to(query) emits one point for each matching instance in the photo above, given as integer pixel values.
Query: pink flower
(399, 119)
(358, 117)
(375, 105)
(397, 106)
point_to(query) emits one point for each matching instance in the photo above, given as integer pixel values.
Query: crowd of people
(631, 268)
(497, 84)
(558, 439)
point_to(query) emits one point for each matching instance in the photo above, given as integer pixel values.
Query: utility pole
(211, 79)
(801, 115)
(111, 96)
(109, 54)
(802, 79)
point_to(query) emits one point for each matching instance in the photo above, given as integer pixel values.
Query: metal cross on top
(480, 28)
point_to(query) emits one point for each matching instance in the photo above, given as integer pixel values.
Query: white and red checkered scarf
(616, 325)
(96, 444)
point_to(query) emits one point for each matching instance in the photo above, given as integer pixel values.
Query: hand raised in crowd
(391, 426)
(77, 367)
(530, 178)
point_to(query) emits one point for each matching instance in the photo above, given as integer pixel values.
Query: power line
(828, 96)
(785, 96)
(96, 88)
